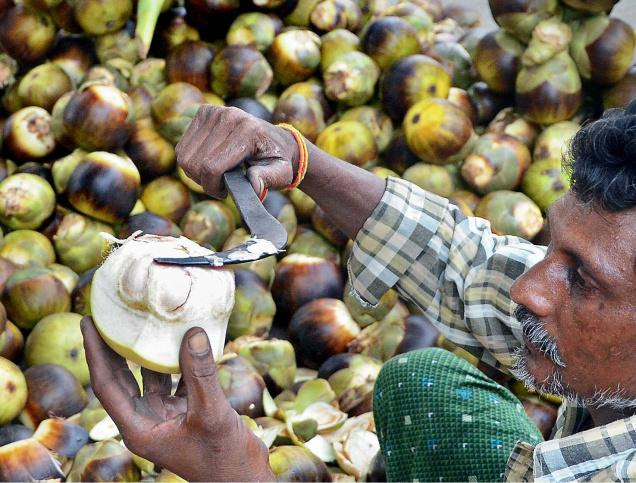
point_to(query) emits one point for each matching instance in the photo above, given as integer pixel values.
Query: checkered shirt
(459, 274)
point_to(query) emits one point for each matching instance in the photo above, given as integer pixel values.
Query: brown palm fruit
(117, 46)
(173, 109)
(53, 391)
(98, 117)
(6, 270)
(28, 134)
(149, 223)
(253, 29)
(410, 80)
(300, 279)
(591, 6)
(351, 78)
(303, 112)
(11, 342)
(549, 92)
(240, 71)
(28, 460)
(438, 131)
(623, 92)
(190, 62)
(497, 162)
(98, 17)
(521, 17)
(264, 268)
(26, 34)
(325, 227)
(75, 55)
(398, 156)
(294, 55)
(309, 242)
(320, 329)
(149, 151)
(254, 306)
(81, 296)
(242, 385)
(388, 39)
(498, 59)
(335, 43)
(106, 460)
(603, 49)
(419, 19)
(293, 462)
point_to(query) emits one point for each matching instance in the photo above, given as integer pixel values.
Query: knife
(268, 238)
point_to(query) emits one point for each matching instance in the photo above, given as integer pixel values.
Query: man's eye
(575, 280)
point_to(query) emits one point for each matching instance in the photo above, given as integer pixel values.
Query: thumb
(198, 371)
(273, 174)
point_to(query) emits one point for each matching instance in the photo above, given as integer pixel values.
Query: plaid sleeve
(451, 266)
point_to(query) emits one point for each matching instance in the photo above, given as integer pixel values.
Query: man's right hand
(220, 138)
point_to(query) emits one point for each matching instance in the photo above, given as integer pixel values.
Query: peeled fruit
(603, 49)
(438, 131)
(52, 391)
(388, 39)
(240, 71)
(104, 461)
(510, 213)
(190, 62)
(149, 224)
(167, 197)
(497, 59)
(496, 162)
(242, 385)
(208, 223)
(28, 134)
(13, 390)
(78, 242)
(92, 184)
(520, 18)
(293, 463)
(26, 34)
(294, 55)
(143, 309)
(43, 85)
(348, 140)
(351, 78)
(26, 200)
(97, 17)
(28, 460)
(320, 329)
(33, 293)
(254, 306)
(26, 248)
(300, 279)
(550, 92)
(57, 339)
(553, 142)
(545, 182)
(153, 155)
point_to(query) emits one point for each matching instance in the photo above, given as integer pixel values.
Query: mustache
(536, 334)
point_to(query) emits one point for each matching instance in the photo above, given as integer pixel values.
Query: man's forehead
(607, 240)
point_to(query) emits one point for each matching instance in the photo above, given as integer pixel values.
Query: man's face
(581, 307)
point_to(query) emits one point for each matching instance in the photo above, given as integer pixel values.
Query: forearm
(348, 194)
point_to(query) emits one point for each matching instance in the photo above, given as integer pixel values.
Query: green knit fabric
(439, 418)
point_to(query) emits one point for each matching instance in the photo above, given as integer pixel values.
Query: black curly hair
(602, 160)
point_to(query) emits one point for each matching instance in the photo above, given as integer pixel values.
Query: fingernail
(261, 186)
(198, 344)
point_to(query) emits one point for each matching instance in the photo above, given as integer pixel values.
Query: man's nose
(536, 290)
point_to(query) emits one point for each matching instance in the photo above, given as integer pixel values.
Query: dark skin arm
(196, 434)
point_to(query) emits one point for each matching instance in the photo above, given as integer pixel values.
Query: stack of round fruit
(96, 94)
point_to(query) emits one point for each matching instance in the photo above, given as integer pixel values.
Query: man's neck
(603, 416)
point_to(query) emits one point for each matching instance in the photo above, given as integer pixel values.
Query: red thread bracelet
(303, 159)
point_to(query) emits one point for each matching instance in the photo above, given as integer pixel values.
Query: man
(561, 320)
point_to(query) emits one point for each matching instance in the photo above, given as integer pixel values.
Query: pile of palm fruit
(96, 94)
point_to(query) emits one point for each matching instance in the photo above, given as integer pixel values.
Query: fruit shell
(104, 461)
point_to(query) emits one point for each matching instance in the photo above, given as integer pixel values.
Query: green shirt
(459, 274)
